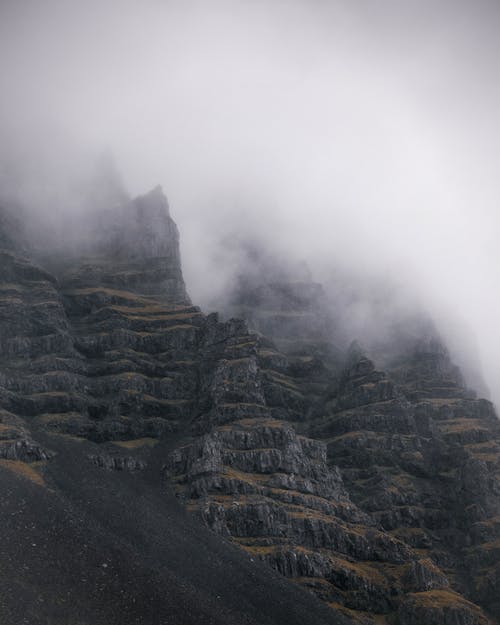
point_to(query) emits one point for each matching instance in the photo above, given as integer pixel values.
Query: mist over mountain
(339, 133)
(362, 468)
(249, 341)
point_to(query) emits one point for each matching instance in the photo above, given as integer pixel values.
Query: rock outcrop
(375, 488)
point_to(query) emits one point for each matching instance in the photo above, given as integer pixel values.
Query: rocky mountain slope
(333, 491)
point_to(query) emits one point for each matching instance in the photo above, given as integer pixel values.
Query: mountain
(164, 466)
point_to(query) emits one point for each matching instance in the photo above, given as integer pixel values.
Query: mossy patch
(26, 471)
(442, 599)
(461, 425)
(137, 443)
(359, 616)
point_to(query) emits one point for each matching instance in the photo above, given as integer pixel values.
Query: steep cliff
(377, 490)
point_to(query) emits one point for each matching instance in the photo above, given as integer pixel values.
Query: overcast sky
(359, 132)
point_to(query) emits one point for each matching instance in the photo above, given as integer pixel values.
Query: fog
(361, 136)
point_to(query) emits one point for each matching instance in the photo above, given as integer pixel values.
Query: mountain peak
(374, 486)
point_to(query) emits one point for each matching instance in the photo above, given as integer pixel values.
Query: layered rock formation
(405, 441)
(377, 490)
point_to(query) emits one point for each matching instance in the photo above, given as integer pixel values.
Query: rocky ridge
(376, 490)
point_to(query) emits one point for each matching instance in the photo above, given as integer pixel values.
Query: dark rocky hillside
(163, 466)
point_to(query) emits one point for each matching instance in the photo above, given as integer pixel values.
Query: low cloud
(361, 138)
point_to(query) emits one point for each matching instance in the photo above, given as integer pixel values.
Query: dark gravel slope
(98, 547)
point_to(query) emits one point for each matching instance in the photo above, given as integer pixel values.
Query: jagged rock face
(134, 246)
(80, 359)
(417, 452)
(142, 229)
(414, 461)
(377, 490)
(282, 303)
(427, 372)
